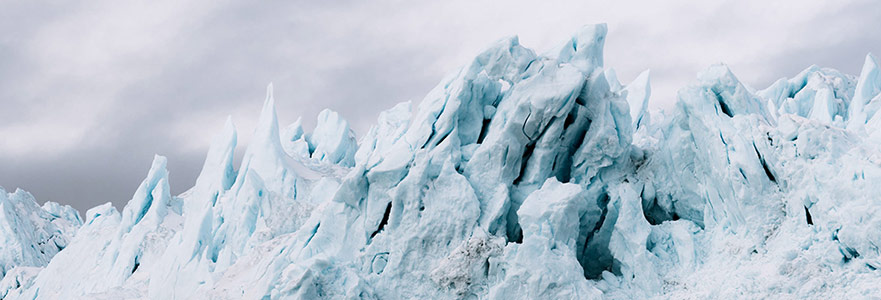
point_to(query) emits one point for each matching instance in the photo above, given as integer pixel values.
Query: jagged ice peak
(519, 176)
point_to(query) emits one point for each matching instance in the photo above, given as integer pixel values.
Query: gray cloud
(89, 92)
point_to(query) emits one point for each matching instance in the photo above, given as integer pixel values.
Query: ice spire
(333, 141)
(218, 171)
(267, 126)
(868, 86)
(732, 96)
(585, 49)
(264, 155)
(824, 106)
(638, 93)
(151, 198)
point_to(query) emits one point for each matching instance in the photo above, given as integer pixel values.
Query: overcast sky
(90, 90)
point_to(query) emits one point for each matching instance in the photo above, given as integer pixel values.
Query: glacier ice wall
(520, 176)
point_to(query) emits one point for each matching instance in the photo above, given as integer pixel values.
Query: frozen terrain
(520, 176)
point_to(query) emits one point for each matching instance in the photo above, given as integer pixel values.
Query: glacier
(520, 176)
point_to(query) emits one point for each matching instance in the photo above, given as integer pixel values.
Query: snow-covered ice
(520, 176)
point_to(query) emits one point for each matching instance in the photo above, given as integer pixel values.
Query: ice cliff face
(520, 176)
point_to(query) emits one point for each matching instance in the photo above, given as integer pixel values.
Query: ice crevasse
(520, 176)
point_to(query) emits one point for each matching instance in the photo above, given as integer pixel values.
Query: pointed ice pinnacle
(638, 93)
(218, 171)
(733, 98)
(585, 49)
(824, 106)
(293, 140)
(867, 87)
(264, 155)
(217, 176)
(332, 140)
(150, 199)
(267, 126)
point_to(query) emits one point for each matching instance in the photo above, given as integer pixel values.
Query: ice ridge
(519, 176)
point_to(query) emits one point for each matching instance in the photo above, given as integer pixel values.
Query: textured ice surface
(520, 176)
(30, 236)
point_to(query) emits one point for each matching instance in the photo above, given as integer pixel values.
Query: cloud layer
(90, 91)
